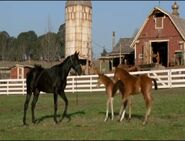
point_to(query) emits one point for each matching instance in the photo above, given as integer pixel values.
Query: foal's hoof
(129, 119)
(56, 122)
(105, 120)
(144, 122)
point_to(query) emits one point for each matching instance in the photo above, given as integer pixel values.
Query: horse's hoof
(25, 124)
(69, 118)
(34, 121)
(119, 120)
(56, 122)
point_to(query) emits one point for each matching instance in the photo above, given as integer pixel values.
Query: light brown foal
(134, 85)
(108, 83)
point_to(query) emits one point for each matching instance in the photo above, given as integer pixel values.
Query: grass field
(167, 120)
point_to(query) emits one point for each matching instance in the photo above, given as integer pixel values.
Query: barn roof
(125, 46)
(125, 49)
(178, 22)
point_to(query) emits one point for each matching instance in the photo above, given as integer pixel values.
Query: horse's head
(76, 63)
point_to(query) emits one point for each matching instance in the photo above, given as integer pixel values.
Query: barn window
(159, 20)
(140, 56)
(181, 45)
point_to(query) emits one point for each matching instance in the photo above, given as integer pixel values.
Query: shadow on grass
(68, 116)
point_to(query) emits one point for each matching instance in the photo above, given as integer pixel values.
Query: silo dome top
(79, 2)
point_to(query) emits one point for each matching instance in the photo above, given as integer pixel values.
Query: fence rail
(171, 78)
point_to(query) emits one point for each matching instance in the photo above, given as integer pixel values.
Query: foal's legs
(28, 96)
(109, 103)
(107, 109)
(112, 109)
(34, 101)
(148, 102)
(130, 106)
(123, 108)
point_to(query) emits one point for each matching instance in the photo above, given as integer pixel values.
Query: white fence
(88, 83)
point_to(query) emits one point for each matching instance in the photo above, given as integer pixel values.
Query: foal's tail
(31, 77)
(155, 83)
(118, 85)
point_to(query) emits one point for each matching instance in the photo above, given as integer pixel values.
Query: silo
(78, 21)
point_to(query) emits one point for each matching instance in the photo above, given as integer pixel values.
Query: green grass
(167, 120)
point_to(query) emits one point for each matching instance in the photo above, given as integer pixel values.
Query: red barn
(161, 39)
(19, 71)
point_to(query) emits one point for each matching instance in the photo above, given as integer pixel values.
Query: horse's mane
(63, 61)
(38, 67)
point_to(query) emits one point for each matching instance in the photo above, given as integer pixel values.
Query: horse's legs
(112, 107)
(62, 94)
(107, 109)
(130, 107)
(123, 106)
(28, 96)
(55, 96)
(124, 103)
(34, 101)
(148, 102)
(109, 103)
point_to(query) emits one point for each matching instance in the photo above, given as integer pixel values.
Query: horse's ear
(76, 53)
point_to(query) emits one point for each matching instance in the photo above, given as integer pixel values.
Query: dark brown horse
(134, 85)
(50, 80)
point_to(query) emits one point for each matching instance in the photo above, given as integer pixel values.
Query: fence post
(23, 84)
(170, 78)
(90, 83)
(73, 84)
(7, 91)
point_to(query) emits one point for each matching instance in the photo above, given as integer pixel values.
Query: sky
(123, 17)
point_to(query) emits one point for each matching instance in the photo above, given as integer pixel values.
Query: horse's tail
(32, 76)
(155, 83)
(118, 85)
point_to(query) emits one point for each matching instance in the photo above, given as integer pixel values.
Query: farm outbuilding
(161, 39)
(19, 71)
(121, 54)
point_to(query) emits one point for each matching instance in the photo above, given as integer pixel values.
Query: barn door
(147, 53)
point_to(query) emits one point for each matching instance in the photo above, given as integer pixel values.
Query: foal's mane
(122, 69)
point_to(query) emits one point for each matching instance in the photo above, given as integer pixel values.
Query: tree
(26, 43)
(11, 49)
(61, 39)
(104, 52)
(3, 44)
(49, 46)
